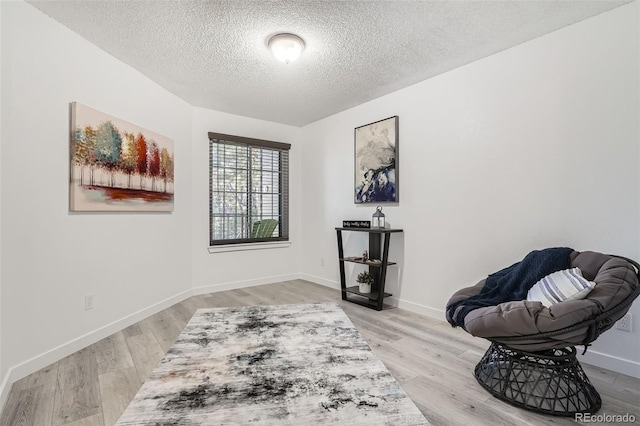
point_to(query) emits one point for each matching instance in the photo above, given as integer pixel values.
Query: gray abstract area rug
(271, 365)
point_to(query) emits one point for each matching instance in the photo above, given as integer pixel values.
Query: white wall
(1, 138)
(219, 271)
(497, 158)
(534, 147)
(52, 258)
(134, 264)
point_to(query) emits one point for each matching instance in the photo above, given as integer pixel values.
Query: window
(248, 190)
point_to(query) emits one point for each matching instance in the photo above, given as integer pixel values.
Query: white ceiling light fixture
(286, 47)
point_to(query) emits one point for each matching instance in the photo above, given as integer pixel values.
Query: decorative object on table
(247, 366)
(377, 220)
(356, 224)
(365, 256)
(376, 161)
(118, 166)
(365, 280)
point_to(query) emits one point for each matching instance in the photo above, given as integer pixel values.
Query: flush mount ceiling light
(286, 47)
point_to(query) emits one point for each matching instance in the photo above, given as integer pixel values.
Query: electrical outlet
(624, 323)
(88, 302)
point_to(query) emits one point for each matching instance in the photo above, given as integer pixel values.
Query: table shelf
(373, 295)
(378, 249)
(366, 262)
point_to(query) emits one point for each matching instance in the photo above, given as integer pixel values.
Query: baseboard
(598, 359)
(5, 387)
(417, 308)
(400, 303)
(319, 280)
(17, 372)
(610, 362)
(38, 362)
(620, 365)
(214, 288)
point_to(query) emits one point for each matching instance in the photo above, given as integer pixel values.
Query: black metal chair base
(549, 382)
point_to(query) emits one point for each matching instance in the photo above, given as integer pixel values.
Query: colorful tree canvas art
(376, 162)
(117, 165)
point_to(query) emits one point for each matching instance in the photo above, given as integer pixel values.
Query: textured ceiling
(213, 54)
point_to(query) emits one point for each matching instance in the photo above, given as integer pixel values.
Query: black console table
(378, 250)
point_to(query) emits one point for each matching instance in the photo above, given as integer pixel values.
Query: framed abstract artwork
(118, 166)
(376, 162)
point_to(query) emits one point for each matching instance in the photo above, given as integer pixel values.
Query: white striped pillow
(568, 284)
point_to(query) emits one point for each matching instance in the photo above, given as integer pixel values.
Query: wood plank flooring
(432, 362)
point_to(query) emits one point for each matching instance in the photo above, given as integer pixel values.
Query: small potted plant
(365, 280)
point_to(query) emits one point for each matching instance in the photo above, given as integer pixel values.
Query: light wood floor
(432, 362)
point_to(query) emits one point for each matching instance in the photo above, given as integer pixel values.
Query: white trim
(38, 362)
(598, 359)
(249, 246)
(17, 372)
(322, 281)
(417, 308)
(400, 303)
(214, 288)
(610, 362)
(5, 387)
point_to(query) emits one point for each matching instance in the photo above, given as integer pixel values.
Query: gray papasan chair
(531, 362)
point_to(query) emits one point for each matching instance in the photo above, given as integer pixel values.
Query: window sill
(249, 246)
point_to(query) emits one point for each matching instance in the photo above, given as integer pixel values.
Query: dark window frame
(216, 140)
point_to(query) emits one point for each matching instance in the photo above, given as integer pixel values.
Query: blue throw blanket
(512, 283)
